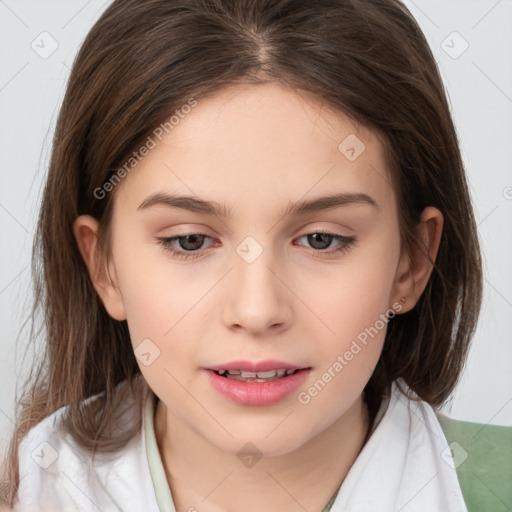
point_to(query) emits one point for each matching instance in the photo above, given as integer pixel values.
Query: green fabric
(483, 460)
(156, 468)
(482, 455)
(331, 502)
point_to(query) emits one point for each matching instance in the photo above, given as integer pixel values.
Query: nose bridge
(252, 274)
(257, 300)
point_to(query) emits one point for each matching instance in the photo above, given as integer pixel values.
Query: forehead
(254, 143)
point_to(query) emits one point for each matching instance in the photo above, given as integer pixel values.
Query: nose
(257, 301)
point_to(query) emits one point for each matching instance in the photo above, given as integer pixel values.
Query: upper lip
(255, 366)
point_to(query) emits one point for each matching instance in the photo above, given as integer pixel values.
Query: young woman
(259, 272)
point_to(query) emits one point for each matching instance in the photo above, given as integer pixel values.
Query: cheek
(350, 299)
(158, 295)
(361, 283)
(163, 298)
(161, 304)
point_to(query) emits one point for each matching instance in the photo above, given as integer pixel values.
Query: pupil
(317, 240)
(196, 242)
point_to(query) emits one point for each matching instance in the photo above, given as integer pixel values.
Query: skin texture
(256, 149)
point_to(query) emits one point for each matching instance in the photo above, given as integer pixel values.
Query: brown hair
(142, 60)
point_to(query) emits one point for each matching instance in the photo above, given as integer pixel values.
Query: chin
(258, 443)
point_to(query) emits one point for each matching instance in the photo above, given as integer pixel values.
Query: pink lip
(252, 366)
(258, 393)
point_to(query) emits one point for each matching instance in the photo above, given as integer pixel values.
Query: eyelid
(167, 243)
(346, 243)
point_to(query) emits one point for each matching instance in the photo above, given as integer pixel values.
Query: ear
(85, 229)
(414, 270)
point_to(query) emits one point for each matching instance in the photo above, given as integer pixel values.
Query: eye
(189, 243)
(321, 240)
(187, 246)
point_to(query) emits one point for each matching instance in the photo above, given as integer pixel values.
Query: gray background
(479, 85)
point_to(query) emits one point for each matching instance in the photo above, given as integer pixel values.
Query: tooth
(247, 375)
(257, 376)
(267, 375)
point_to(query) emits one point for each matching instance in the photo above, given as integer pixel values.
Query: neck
(204, 478)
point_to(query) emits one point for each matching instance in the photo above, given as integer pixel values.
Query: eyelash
(166, 242)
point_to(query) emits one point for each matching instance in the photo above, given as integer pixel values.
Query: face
(260, 279)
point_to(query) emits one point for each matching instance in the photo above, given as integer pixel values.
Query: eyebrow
(197, 205)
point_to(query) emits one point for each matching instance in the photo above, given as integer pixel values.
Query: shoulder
(401, 466)
(408, 412)
(409, 445)
(482, 456)
(57, 473)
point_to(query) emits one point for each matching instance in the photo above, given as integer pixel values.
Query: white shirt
(403, 467)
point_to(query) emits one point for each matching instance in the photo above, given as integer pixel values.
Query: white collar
(403, 466)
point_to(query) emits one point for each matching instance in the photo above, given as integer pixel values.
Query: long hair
(145, 59)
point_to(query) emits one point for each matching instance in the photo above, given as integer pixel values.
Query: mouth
(262, 383)
(263, 376)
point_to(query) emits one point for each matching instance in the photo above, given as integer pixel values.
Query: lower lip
(257, 393)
